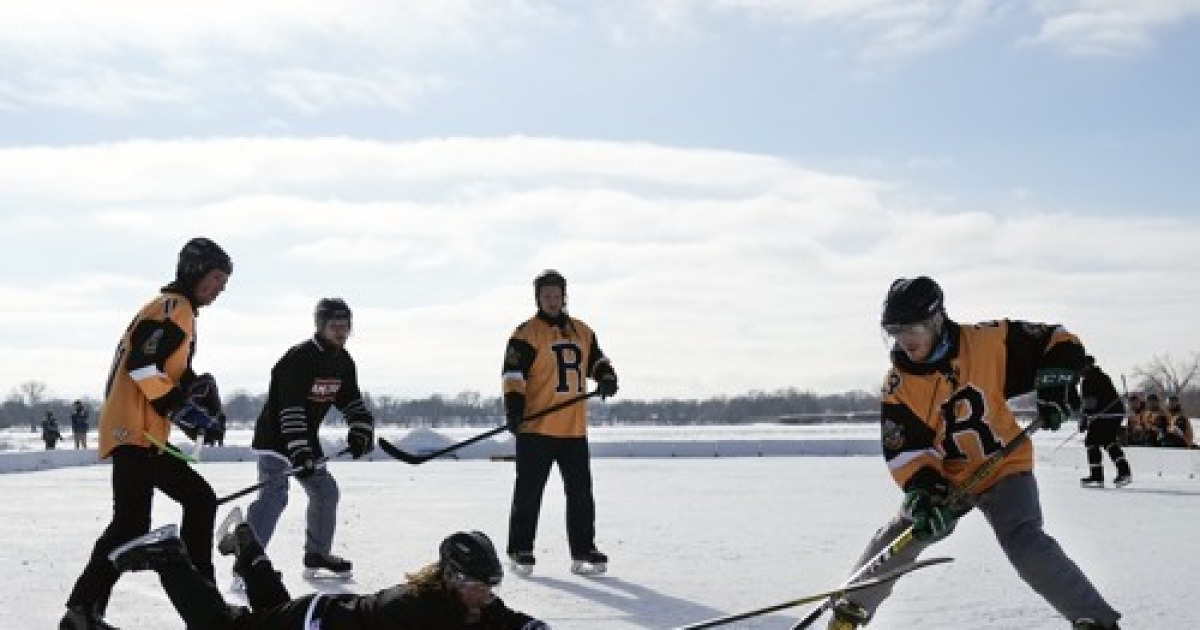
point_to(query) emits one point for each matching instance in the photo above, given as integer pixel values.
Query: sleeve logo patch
(893, 435)
(150, 348)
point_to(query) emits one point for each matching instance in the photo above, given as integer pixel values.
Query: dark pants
(1102, 434)
(136, 473)
(535, 455)
(202, 607)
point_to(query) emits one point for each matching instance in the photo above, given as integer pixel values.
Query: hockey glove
(931, 519)
(514, 411)
(191, 419)
(606, 380)
(202, 392)
(303, 459)
(926, 505)
(361, 438)
(1052, 396)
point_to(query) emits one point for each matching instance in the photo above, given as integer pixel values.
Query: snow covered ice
(689, 538)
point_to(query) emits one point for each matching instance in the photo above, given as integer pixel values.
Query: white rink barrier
(1146, 462)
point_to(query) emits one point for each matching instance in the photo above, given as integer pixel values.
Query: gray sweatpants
(321, 516)
(1013, 510)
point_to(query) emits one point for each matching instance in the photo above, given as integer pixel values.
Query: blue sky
(729, 185)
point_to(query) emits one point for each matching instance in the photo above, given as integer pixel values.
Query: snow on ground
(690, 539)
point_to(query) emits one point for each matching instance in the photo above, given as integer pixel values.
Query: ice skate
(81, 618)
(226, 540)
(237, 584)
(1088, 624)
(155, 548)
(1122, 480)
(324, 566)
(847, 615)
(1092, 481)
(522, 562)
(589, 563)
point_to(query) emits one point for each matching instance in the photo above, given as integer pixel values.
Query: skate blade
(225, 531)
(1092, 484)
(523, 570)
(1122, 483)
(588, 568)
(153, 536)
(326, 574)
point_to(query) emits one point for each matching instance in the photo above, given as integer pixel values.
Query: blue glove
(192, 419)
(1052, 396)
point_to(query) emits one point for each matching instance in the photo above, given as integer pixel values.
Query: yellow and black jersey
(153, 363)
(1181, 426)
(548, 363)
(952, 414)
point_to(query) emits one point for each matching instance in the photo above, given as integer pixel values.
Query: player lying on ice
(455, 592)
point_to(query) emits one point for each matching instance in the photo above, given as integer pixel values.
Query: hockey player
(548, 359)
(1103, 412)
(944, 411)
(310, 378)
(152, 386)
(453, 593)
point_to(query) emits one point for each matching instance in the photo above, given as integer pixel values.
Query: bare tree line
(28, 403)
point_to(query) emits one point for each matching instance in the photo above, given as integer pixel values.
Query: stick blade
(404, 456)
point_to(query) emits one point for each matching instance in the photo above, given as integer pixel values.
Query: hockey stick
(876, 580)
(169, 449)
(960, 496)
(409, 458)
(272, 479)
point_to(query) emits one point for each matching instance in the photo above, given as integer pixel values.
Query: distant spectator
(1154, 421)
(50, 433)
(1140, 432)
(1177, 427)
(79, 424)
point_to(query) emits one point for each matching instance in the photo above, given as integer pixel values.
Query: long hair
(426, 579)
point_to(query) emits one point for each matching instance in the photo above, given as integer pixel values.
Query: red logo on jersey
(324, 389)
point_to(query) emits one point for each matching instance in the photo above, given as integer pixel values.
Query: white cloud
(705, 272)
(1110, 28)
(311, 92)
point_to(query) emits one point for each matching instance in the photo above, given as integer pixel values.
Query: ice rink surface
(689, 539)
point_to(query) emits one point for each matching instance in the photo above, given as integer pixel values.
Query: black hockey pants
(136, 473)
(535, 456)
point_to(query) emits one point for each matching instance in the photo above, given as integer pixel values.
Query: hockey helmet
(549, 277)
(911, 300)
(470, 557)
(330, 308)
(198, 257)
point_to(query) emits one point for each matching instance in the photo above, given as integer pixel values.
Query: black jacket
(305, 383)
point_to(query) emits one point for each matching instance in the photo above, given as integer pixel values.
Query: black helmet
(549, 277)
(198, 257)
(330, 308)
(470, 556)
(911, 300)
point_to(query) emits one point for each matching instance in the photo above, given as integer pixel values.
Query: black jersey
(1100, 397)
(308, 380)
(403, 607)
